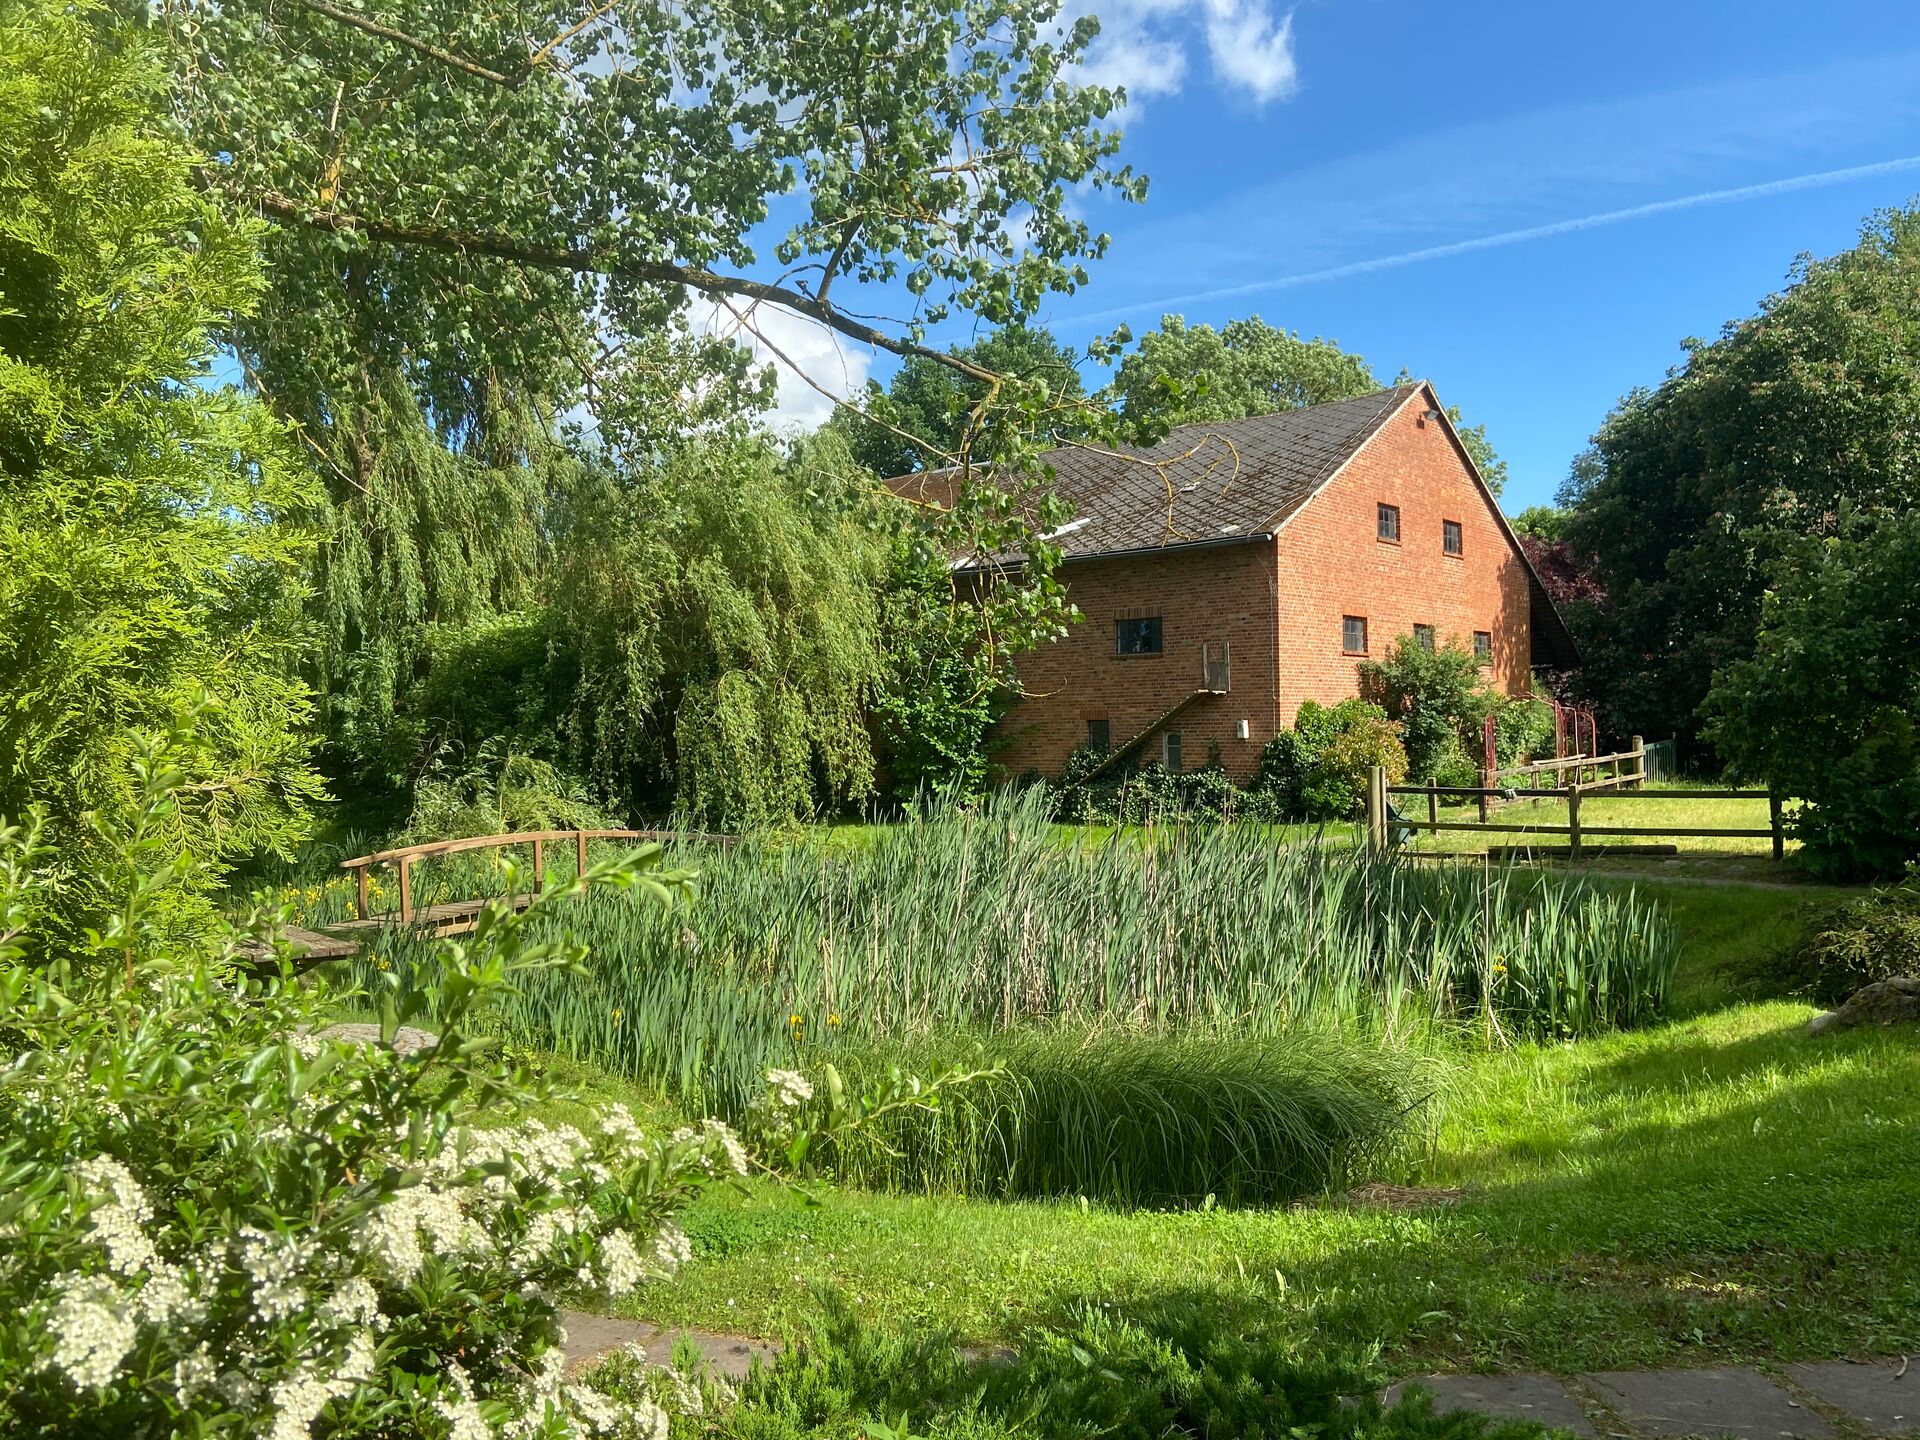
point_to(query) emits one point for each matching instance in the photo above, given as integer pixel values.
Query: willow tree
(716, 621)
(149, 575)
(489, 214)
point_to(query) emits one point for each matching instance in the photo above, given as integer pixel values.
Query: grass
(1717, 1187)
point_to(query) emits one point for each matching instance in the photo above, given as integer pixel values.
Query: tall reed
(985, 921)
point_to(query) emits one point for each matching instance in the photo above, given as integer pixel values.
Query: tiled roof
(1211, 481)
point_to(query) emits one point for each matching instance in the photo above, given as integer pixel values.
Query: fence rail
(404, 858)
(1383, 821)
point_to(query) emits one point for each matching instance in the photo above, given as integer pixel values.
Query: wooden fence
(1383, 821)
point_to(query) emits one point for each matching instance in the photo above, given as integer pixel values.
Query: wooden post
(539, 865)
(360, 890)
(1377, 808)
(1433, 804)
(1639, 763)
(1773, 820)
(580, 855)
(1573, 821)
(406, 892)
(1486, 803)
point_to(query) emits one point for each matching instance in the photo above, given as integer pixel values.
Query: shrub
(1860, 819)
(216, 1221)
(1139, 1118)
(1441, 699)
(1318, 770)
(1437, 696)
(1165, 1368)
(1855, 944)
(1823, 710)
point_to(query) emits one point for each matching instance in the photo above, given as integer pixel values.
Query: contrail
(1517, 237)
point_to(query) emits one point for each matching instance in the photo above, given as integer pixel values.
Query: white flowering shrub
(214, 1222)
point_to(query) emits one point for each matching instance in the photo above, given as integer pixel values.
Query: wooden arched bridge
(454, 917)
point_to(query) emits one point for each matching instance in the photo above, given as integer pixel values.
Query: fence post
(539, 866)
(1573, 821)
(406, 891)
(1433, 804)
(1639, 763)
(1773, 820)
(1377, 808)
(360, 891)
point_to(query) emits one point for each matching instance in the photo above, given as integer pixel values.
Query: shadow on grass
(1776, 1226)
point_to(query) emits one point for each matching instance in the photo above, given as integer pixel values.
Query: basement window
(1423, 636)
(1137, 637)
(1389, 523)
(1099, 734)
(1483, 646)
(1170, 750)
(1353, 634)
(1450, 538)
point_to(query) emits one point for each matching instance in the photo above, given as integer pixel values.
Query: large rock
(1885, 1002)
(406, 1039)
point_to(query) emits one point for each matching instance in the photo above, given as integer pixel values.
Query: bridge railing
(405, 856)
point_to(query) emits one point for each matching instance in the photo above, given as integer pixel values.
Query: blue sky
(1283, 144)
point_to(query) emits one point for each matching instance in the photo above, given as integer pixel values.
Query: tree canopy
(151, 556)
(1185, 374)
(928, 412)
(1803, 414)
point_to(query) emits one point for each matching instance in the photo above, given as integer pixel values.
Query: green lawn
(1649, 815)
(1719, 1186)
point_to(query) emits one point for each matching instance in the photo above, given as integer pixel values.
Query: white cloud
(1250, 50)
(1144, 45)
(808, 358)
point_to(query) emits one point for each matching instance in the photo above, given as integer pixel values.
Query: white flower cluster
(274, 1266)
(519, 1209)
(790, 1087)
(117, 1220)
(93, 1329)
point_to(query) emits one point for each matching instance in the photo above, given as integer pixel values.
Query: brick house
(1238, 568)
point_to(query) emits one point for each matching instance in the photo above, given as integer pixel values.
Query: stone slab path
(1801, 1402)
(589, 1337)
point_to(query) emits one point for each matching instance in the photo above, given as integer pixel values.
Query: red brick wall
(1280, 605)
(1331, 564)
(1219, 594)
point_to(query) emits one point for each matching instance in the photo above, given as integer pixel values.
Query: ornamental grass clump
(216, 1220)
(1144, 1119)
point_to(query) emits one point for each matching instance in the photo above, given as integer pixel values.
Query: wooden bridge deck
(451, 917)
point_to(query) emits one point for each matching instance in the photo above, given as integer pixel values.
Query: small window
(1353, 634)
(1390, 523)
(1138, 637)
(1450, 537)
(1100, 734)
(1483, 646)
(1423, 636)
(1170, 749)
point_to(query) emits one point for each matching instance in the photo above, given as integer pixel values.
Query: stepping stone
(1872, 1394)
(1674, 1404)
(1508, 1397)
(591, 1337)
